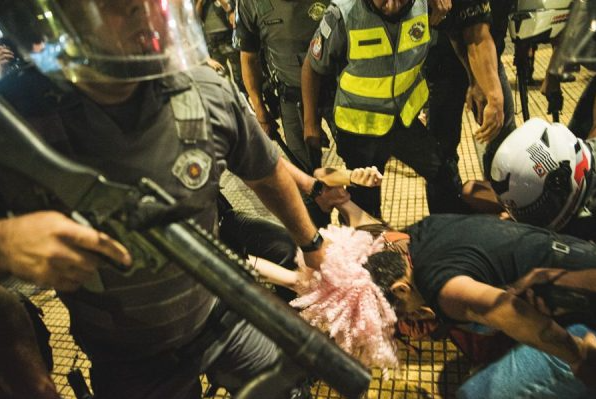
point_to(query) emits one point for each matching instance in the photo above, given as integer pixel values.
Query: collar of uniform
(175, 84)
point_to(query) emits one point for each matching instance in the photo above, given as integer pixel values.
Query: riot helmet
(578, 45)
(540, 173)
(107, 40)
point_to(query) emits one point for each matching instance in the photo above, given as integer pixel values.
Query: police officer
(137, 103)
(380, 92)
(282, 30)
(219, 18)
(478, 29)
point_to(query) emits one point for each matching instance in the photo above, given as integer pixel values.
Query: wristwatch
(314, 244)
(317, 189)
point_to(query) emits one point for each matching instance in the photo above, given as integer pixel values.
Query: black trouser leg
(508, 123)
(446, 98)
(582, 120)
(360, 151)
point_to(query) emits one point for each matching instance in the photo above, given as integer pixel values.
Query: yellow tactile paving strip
(440, 369)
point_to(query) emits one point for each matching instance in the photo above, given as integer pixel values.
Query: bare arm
(311, 88)
(279, 193)
(480, 59)
(463, 298)
(252, 75)
(274, 273)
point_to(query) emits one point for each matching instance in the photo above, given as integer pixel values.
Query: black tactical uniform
(219, 35)
(448, 80)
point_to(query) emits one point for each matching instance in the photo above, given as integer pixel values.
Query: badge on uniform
(192, 168)
(316, 11)
(316, 46)
(416, 32)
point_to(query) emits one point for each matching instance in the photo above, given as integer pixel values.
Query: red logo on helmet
(539, 169)
(580, 169)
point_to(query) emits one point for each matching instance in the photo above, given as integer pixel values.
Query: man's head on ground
(110, 40)
(392, 274)
(539, 174)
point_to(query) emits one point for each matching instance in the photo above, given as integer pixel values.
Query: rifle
(146, 221)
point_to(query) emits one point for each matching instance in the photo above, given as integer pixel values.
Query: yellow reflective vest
(382, 79)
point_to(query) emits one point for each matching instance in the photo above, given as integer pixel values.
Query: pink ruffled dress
(342, 300)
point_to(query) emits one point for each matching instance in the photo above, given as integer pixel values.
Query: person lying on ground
(457, 267)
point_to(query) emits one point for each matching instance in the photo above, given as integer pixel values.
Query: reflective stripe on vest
(379, 87)
(382, 79)
(414, 103)
(369, 43)
(363, 122)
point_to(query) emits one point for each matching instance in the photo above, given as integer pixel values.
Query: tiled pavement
(440, 369)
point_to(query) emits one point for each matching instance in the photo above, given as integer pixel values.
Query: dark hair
(385, 268)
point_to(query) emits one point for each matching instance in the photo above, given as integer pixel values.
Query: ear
(401, 288)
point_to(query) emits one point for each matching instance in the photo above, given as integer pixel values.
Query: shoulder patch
(192, 168)
(316, 46)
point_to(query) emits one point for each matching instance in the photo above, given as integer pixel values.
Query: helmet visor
(578, 45)
(106, 40)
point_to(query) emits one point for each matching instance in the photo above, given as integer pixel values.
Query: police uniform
(283, 30)
(380, 93)
(219, 35)
(141, 329)
(448, 79)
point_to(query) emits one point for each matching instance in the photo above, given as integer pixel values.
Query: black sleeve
(247, 28)
(465, 13)
(431, 277)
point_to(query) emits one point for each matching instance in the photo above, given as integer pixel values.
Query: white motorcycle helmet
(539, 173)
(105, 40)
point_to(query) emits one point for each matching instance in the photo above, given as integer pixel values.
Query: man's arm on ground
(279, 193)
(463, 298)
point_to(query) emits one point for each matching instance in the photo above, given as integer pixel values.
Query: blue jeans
(525, 372)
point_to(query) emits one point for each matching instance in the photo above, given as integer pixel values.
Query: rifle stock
(108, 205)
